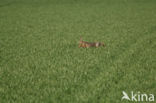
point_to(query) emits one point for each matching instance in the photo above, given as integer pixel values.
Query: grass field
(40, 61)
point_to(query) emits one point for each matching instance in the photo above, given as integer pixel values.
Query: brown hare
(85, 44)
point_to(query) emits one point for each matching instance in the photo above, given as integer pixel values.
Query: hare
(85, 44)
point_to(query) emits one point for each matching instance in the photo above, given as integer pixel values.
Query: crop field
(40, 61)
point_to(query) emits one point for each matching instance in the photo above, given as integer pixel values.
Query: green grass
(40, 61)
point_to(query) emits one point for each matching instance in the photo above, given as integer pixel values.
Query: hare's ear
(80, 38)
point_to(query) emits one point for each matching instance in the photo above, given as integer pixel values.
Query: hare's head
(102, 44)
